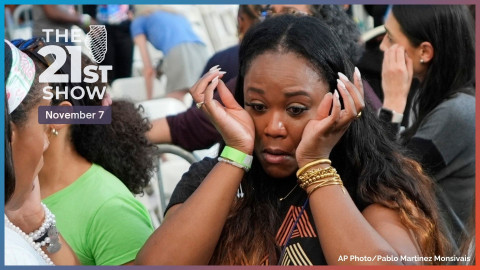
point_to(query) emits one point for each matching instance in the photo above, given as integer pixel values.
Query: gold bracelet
(319, 173)
(330, 183)
(313, 172)
(310, 181)
(306, 185)
(313, 163)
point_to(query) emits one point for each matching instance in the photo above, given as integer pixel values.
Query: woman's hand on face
(231, 120)
(321, 134)
(397, 75)
(29, 217)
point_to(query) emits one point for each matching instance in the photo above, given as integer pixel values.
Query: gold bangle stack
(313, 163)
(318, 177)
(312, 176)
(329, 182)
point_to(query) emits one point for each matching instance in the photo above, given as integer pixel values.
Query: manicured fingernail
(215, 80)
(341, 84)
(357, 72)
(336, 94)
(342, 76)
(214, 67)
(214, 70)
(222, 72)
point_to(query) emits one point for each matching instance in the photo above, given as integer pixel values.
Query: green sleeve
(119, 229)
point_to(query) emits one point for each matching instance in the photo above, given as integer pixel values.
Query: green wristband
(237, 156)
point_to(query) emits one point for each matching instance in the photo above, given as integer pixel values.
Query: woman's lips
(276, 156)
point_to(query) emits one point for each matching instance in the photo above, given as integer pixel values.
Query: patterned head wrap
(19, 75)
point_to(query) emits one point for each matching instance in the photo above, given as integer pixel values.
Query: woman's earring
(55, 132)
(422, 61)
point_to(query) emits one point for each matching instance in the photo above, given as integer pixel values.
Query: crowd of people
(314, 166)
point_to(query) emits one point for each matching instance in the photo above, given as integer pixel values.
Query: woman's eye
(296, 110)
(257, 107)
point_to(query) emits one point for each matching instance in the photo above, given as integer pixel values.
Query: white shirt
(18, 251)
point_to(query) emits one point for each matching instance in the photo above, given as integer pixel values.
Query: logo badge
(96, 42)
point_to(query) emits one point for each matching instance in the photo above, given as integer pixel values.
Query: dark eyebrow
(289, 94)
(253, 89)
(297, 93)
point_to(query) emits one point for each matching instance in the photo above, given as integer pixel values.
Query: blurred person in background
(192, 130)
(184, 52)
(117, 20)
(61, 18)
(435, 44)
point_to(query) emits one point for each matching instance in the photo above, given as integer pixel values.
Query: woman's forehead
(287, 64)
(283, 73)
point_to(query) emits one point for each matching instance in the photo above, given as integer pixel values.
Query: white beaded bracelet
(47, 223)
(47, 234)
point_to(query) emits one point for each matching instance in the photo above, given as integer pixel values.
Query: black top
(303, 248)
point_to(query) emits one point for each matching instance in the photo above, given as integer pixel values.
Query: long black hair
(374, 169)
(9, 169)
(450, 30)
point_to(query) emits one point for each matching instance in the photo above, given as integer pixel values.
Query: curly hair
(120, 147)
